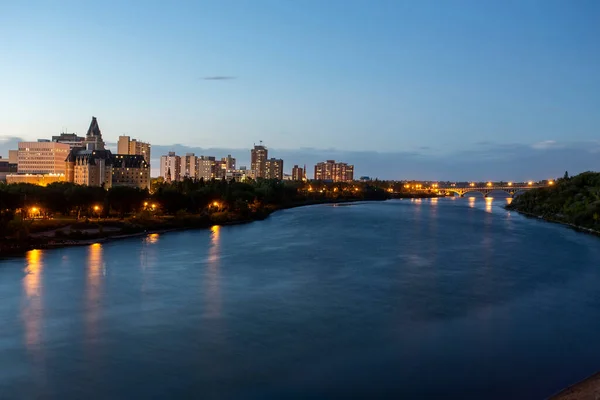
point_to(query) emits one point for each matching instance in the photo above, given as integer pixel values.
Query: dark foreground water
(402, 299)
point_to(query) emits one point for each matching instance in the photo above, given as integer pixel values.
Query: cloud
(546, 144)
(219, 78)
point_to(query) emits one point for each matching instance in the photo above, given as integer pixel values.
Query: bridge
(510, 189)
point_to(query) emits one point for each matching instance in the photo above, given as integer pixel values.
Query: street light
(530, 183)
(96, 208)
(509, 183)
(489, 183)
(550, 182)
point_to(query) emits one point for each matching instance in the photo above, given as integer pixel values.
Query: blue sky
(433, 79)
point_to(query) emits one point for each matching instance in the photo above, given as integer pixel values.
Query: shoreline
(23, 248)
(577, 228)
(585, 389)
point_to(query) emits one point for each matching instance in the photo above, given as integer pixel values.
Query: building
(170, 167)
(229, 162)
(274, 169)
(189, 166)
(258, 160)
(93, 138)
(130, 170)
(42, 157)
(90, 164)
(126, 145)
(298, 173)
(13, 156)
(206, 168)
(35, 179)
(334, 171)
(220, 168)
(6, 168)
(69, 138)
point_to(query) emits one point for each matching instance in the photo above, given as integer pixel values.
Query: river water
(449, 298)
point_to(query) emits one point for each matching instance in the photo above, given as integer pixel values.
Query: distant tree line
(239, 200)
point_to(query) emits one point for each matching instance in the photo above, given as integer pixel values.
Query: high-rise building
(274, 169)
(229, 162)
(189, 166)
(258, 160)
(130, 170)
(206, 168)
(170, 167)
(220, 168)
(126, 145)
(69, 138)
(332, 171)
(42, 157)
(298, 173)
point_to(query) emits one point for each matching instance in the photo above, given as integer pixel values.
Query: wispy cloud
(219, 78)
(546, 144)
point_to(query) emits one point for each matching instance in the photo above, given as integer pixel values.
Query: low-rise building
(130, 170)
(69, 138)
(35, 179)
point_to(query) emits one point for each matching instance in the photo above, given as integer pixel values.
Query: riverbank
(588, 389)
(14, 248)
(578, 228)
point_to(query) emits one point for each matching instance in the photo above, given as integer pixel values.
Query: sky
(451, 90)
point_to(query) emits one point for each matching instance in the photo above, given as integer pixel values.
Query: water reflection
(509, 200)
(152, 238)
(472, 202)
(213, 292)
(488, 204)
(95, 273)
(32, 310)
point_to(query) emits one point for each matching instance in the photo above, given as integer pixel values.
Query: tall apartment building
(42, 157)
(170, 167)
(69, 138)
(298, 173)
(126, 145)
(130, 170)
(258, 160)
(334, 171)
(274, 169)
(229, 162)
(189, 166)
(206, 168)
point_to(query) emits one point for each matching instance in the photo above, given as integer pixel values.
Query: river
(422, 299)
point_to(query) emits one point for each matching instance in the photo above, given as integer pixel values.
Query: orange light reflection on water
(213, 290)
(32, 310)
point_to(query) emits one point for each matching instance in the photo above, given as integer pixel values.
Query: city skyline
(420, 85)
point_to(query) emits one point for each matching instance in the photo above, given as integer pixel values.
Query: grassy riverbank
(50, 234)
(571, 201)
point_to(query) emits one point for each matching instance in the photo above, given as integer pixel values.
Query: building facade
(189, 166)
(35, 179)
(170, 167)
(69, 138)
(130, 170)
(42, 157)
(229, 162)
(90, 164)
(129, 146)
(334, 171)
(298, 173)
(206, 168)
(258, 160)
(13, 156)
(274, 169)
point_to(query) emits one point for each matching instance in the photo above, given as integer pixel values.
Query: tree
(566, 177)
